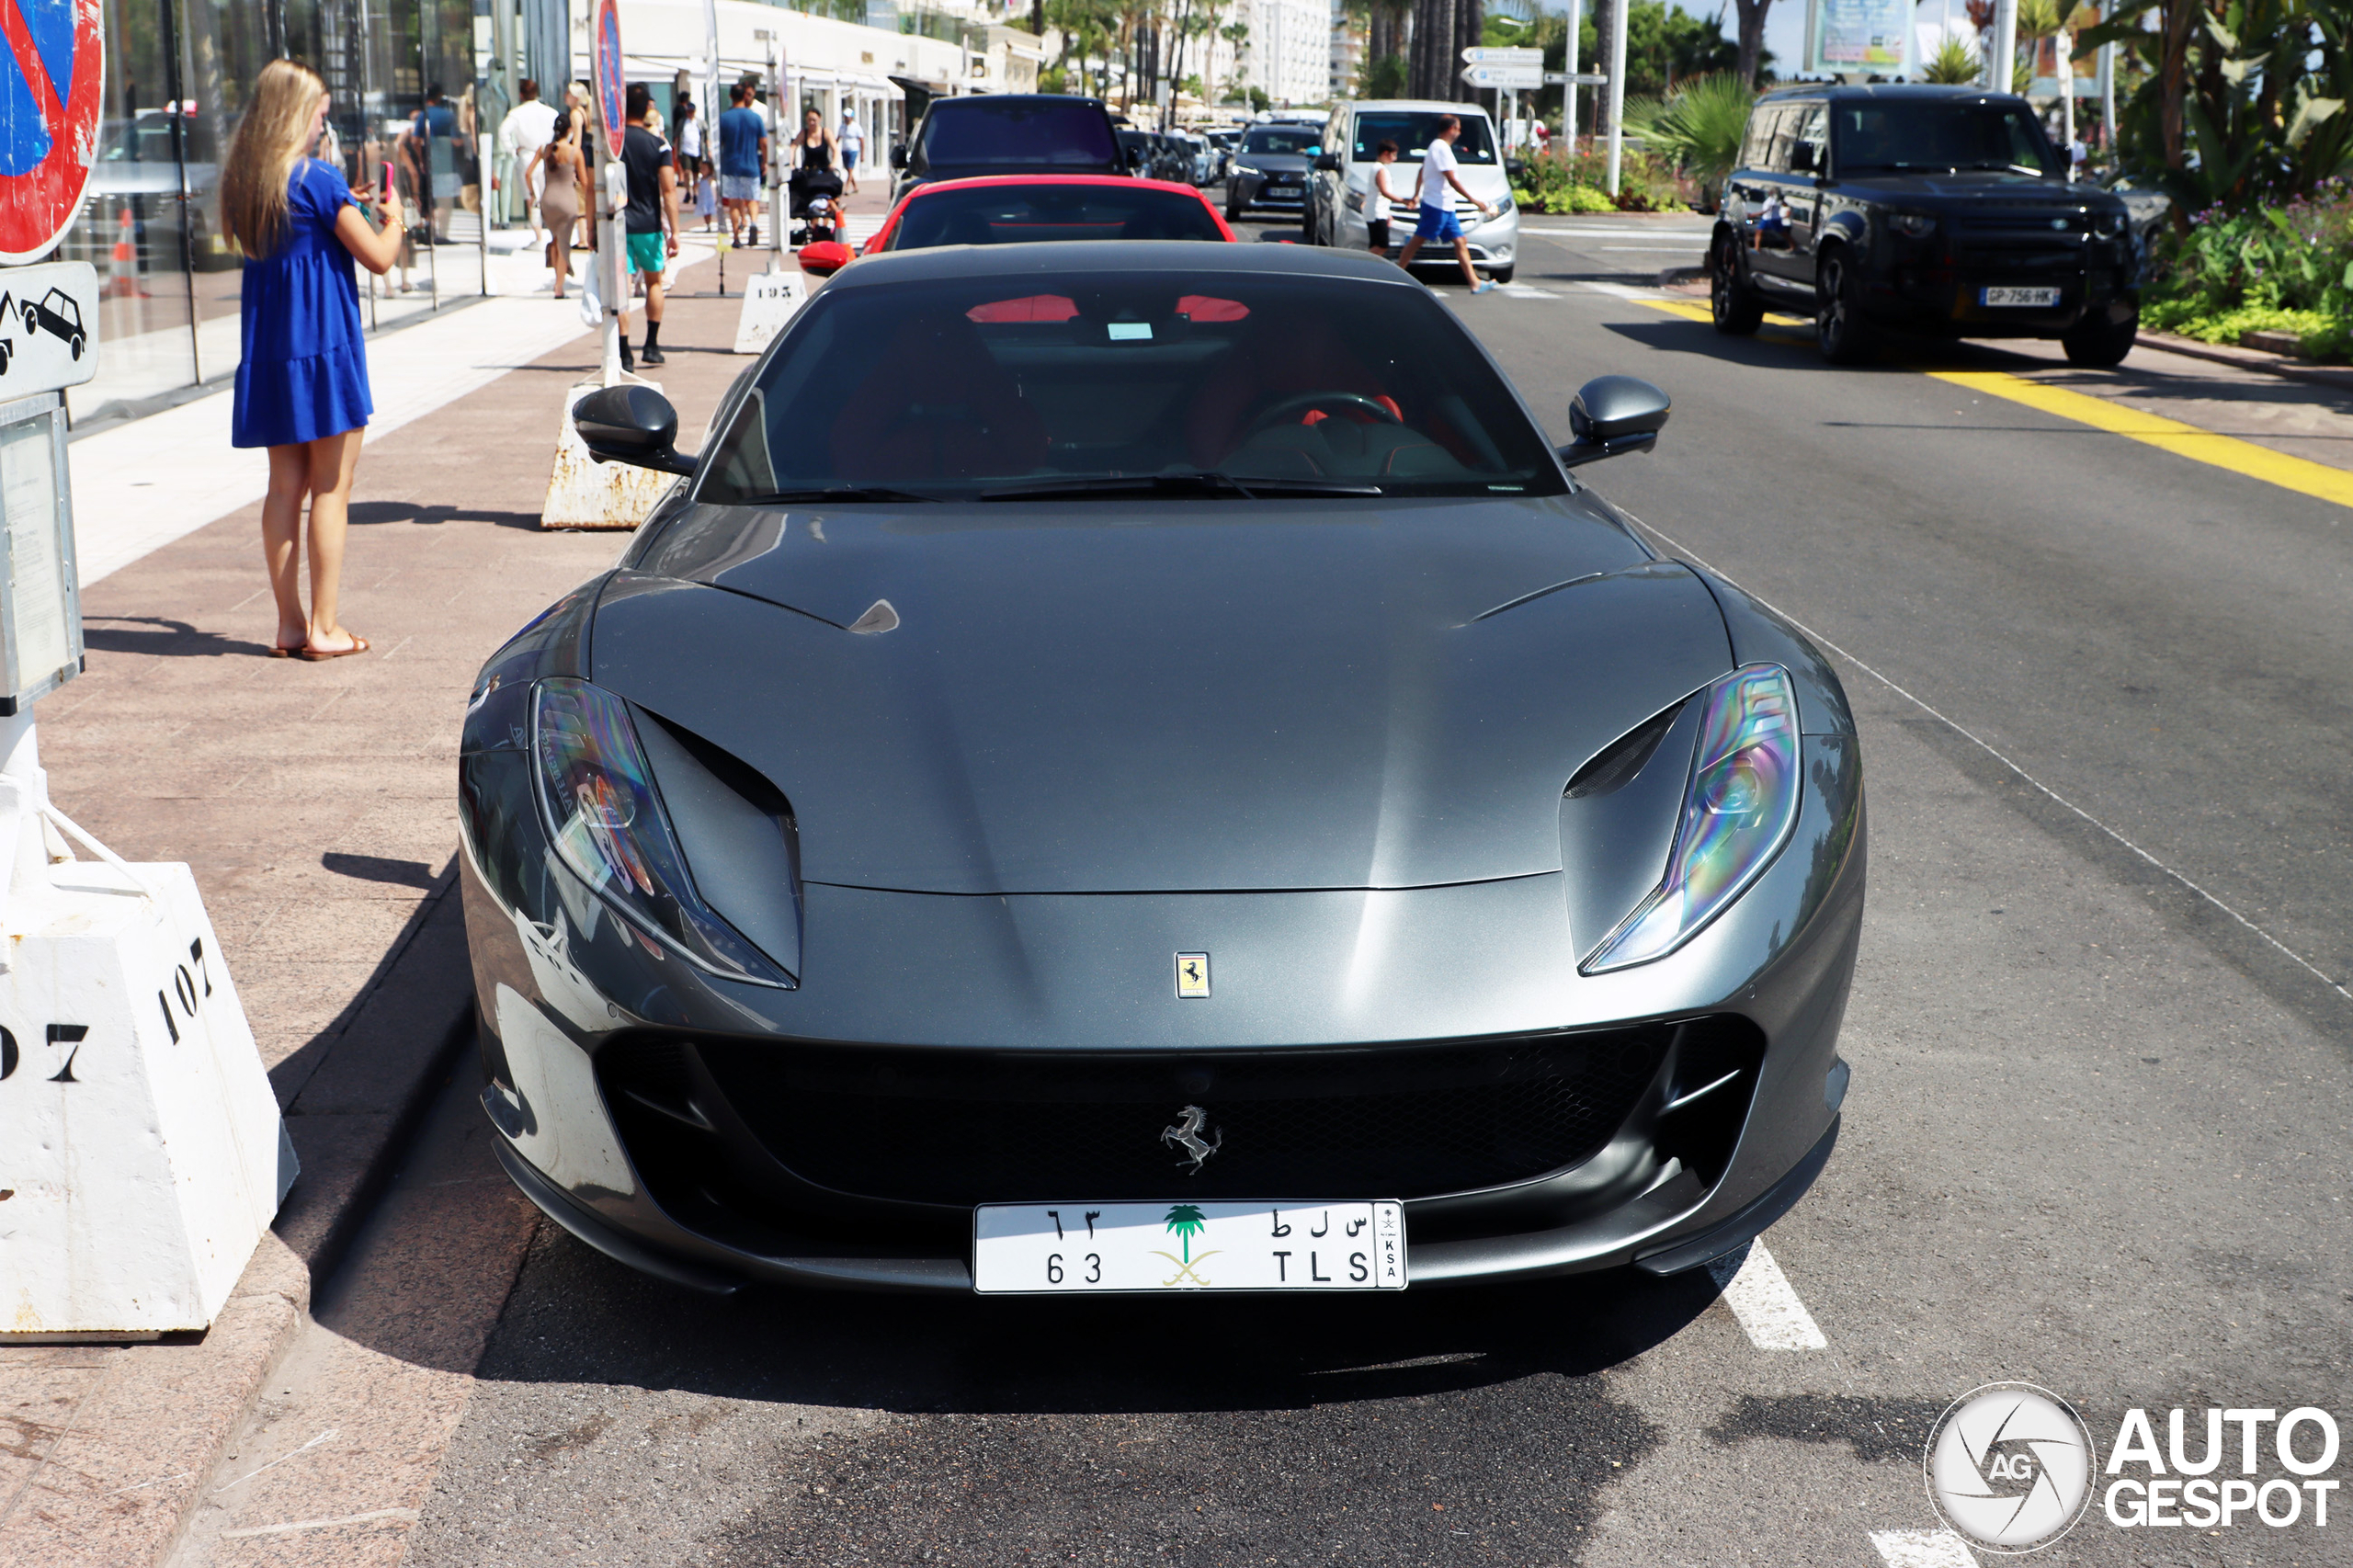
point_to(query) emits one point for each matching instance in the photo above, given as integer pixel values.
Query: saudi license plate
(1068, 1248)
(2017, 296)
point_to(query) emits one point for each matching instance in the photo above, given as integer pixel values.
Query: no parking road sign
(51, 62)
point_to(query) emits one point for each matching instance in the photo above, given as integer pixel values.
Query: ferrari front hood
(1192, 696)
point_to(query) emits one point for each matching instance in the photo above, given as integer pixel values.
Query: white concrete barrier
(769, 301)
(141, 1153)
(586, 494)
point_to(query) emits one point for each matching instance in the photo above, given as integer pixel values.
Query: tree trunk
(2180, 18)
(1751, 36)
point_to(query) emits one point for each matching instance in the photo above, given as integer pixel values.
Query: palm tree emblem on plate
(1185, 1220)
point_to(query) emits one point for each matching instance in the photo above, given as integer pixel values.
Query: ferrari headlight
(1738, 810)
(606, 817)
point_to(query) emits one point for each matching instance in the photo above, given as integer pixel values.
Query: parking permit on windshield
(1129, 330)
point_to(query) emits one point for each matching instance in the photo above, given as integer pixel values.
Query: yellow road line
(2299, 474)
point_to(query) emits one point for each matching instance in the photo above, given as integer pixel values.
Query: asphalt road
(2096, 1141)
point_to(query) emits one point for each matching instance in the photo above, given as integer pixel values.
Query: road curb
(120, 1482)
(2251, 359)
(1668, 277)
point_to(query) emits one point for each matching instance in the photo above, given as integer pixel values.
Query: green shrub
(1698, 127)
(2268, 269)
(1563, 179)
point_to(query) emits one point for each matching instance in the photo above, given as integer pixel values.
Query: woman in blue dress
(302, 382)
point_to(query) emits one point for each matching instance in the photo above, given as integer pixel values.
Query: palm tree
(1955, 65)
(1185, 1220)
(1700, 124)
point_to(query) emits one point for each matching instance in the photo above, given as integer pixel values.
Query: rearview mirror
(1135, 158)
(824, 258)
(898, 154)
(1801, 158)
(631, 425)
(1328, 164)
(1612, 415)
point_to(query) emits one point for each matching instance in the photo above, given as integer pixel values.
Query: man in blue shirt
(742, 163)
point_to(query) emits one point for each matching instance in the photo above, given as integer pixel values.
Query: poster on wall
(1862, 38)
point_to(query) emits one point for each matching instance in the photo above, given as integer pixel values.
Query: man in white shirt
(1437, 215)
(529, 126)
(851, 141)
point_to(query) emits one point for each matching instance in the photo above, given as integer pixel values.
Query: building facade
(1290, 53)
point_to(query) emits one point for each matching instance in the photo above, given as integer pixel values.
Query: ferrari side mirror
(631, 425)
(1612, 415)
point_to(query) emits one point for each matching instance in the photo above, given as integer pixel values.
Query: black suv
(1936, 210)
(1008, 134)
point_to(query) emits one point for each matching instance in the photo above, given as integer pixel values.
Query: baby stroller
(814, 196)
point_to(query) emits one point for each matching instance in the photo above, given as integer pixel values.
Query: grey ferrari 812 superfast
(1141, 768)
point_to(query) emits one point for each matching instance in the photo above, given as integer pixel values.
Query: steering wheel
(1281, 411)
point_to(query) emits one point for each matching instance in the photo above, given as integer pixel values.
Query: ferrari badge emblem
(1192, 974)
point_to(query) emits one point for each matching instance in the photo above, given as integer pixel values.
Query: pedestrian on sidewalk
(565, 195)
(529, 127)
(1435, 220)
(852, 141)
(303, 381)
(651, 221)
(1383, 199)
(742, 163)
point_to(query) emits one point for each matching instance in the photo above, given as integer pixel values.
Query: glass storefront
(418, 90)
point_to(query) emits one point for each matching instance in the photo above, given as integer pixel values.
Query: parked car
(1008, 134)
(1018, 208)
(1937, 210)
(1340, 197)
(1113, 735)
(1200, 159)
(139, 168)
(1271, 169)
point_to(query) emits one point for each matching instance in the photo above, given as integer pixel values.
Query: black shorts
(690, 164)
(1377, 233)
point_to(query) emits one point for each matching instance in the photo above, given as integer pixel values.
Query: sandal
(318, 656)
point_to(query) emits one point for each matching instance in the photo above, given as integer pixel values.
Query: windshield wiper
(831, 492)
(1198, 482)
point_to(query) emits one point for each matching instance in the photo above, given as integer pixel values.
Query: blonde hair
(270, 140)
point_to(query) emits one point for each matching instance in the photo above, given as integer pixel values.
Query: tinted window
(949, 388)
(1413, 131)
(1295, 139)
(1938, 133)
(1008, 214)
(983, 131)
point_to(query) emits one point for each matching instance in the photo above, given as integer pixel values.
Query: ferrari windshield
(1007, 214)
(1066, 385)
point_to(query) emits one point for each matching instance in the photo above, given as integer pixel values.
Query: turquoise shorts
(648, 253)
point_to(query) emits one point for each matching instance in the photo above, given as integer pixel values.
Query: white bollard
(769, 300)
(142, 1152)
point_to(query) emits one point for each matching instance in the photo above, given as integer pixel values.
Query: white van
(1341, 193)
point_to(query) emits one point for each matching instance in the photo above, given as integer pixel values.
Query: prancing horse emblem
(1186, 1135)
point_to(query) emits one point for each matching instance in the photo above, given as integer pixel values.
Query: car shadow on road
(1035, 1354)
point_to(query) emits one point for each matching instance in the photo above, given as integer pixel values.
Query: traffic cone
(122, 269)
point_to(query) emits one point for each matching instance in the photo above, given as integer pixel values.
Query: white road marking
(1525, 291)
(1769, 1311)
(403, 1516)
(1620, 290)
(1990, 750)
(1600, 233)
(1923, 1549)
(1698, 243)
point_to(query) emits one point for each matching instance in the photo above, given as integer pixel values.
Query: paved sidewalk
(314, 802)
